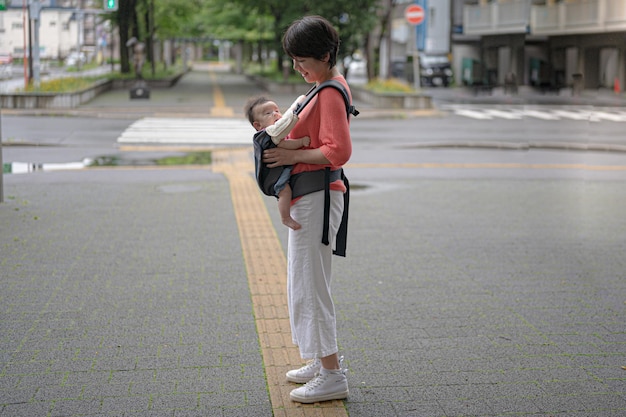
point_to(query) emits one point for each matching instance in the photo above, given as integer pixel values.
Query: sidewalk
(133, 291)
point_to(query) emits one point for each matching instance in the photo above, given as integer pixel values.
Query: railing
(497, 18)
(519, 16)
(580, 17)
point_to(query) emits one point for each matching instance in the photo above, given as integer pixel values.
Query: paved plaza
(128, 291)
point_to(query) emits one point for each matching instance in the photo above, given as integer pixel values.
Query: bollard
(577, 84)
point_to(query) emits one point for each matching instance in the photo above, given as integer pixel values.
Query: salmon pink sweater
(326, 122)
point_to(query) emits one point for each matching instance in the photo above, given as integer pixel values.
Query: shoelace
(318, 380)
(310, 365)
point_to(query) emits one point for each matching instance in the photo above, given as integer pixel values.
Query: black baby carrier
(307, 182)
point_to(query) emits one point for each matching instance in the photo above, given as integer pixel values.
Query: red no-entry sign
(414, 14)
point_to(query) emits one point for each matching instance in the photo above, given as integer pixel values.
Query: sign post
(415, 16)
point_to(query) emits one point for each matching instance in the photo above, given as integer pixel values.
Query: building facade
(65, 26)
(538, 43)
(542, 43)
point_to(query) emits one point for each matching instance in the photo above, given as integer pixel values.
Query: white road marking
(188, 131)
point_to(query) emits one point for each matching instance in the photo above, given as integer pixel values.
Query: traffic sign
(414, 14)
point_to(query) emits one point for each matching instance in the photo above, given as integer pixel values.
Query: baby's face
(267, 114)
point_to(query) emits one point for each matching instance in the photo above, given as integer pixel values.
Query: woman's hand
(276, 157)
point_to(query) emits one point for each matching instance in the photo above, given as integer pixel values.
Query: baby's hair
(251, 104)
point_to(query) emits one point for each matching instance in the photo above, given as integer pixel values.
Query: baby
(264, 114)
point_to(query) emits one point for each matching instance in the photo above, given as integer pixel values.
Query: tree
(354, 20)
(247, 21)
(126, 20)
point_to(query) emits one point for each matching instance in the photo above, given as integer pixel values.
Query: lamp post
(1, 161)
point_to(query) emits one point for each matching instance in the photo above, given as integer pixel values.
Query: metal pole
(35, 13)
(112, 50)
(416, 61)
(1, 160)
(24, 57)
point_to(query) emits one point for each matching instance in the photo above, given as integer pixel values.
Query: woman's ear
(326, 57)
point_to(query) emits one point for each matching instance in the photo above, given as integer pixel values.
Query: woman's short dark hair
(312, 37)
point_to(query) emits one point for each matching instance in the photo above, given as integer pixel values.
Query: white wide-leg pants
(311, 308)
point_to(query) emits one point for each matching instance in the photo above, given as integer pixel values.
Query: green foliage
(146, 73)
(63, 85)
(194, 158)
(249, 21)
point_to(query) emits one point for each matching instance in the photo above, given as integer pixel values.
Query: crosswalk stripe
(610, 116)
(473, 114)
(504, 114)
(188, 131)
(574, 115)
(517, 113)
(540, 115)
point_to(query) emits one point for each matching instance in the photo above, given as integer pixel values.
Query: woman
(312, 43)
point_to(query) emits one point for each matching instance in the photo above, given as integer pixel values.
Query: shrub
(63, 85)
(391, 85)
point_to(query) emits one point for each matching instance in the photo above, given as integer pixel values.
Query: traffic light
(3, 5)
(110, 5)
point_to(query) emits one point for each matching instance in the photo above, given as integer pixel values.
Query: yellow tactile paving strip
(219, 109)
(267, 277)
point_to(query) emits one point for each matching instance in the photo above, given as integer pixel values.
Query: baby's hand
(295, 104)
(306, 141)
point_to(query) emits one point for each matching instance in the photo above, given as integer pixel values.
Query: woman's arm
(294, 143)
(276, 157)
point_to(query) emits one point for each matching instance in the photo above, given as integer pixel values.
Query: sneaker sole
(299, 380)
(328, 397)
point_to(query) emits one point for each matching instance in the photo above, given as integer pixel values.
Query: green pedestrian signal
(110, 5)
(3, 5)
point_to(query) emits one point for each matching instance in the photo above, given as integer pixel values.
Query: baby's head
(262, 112)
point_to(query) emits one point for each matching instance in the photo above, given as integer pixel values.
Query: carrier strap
(311, 181)
(350, 109)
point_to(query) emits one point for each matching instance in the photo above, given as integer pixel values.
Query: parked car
(435, 71)
(74, 58)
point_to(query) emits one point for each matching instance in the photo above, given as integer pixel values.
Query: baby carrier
(307, 182)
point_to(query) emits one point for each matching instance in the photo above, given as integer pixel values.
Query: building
(548, 44)
(65, 26)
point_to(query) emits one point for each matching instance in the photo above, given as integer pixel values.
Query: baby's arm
(279, 130)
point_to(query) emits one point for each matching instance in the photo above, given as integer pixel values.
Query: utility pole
(35, 12)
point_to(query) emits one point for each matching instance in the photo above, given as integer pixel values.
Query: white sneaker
(326, 386)
(306, 373)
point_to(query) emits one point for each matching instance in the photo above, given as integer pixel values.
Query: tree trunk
(126, 16)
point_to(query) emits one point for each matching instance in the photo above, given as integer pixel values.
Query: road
(447, 138)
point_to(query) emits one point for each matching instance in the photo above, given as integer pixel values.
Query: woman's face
(312, 70)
